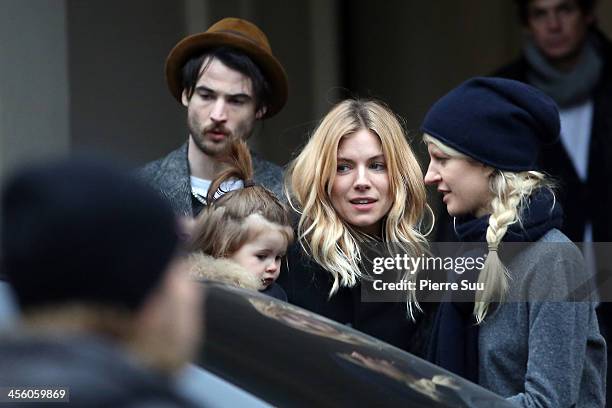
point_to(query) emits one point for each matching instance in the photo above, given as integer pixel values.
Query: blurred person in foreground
(107, 310)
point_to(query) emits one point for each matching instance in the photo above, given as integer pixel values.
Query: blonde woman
(356, 182)
(483, 138)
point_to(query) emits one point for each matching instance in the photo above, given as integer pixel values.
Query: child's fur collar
(205, 267)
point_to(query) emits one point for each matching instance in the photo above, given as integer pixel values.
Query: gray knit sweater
(544, 353)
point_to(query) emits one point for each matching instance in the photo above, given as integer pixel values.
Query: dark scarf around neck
(541, 214)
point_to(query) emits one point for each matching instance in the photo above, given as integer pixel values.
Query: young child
(249, 227)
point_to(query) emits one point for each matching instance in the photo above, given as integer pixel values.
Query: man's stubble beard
(209, 148)
(216, 149)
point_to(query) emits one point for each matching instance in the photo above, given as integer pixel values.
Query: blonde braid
(511, 192)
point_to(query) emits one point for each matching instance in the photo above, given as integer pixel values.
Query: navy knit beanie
(499, 122)
(79, 230)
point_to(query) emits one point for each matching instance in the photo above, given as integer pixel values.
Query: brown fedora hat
(239, 34)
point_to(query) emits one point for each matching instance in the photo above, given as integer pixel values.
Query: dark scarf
(538, 218)
(454, 338)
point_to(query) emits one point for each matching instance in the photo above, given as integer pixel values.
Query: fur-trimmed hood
(205, 267)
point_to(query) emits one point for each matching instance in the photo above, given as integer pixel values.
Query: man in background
(568, 58)
(228, 79)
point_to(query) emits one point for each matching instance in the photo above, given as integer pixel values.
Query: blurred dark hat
(238, 34)
(499, 122)
(80, 230)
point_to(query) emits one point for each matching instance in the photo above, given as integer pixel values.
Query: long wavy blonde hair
(329, 240)
(510, 192)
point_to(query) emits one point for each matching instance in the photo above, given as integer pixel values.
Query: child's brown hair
(221, 228)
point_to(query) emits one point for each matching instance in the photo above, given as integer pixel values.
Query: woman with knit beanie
(483, 139)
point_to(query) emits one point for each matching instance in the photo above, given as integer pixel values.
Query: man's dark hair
(235, 60)
(586, 6)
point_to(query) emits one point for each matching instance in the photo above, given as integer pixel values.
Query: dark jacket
(95, 372)
(170, 175)
(592, 199)
(276, 291)
(307, 285)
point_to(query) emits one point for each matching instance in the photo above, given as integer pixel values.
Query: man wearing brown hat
(227, 78)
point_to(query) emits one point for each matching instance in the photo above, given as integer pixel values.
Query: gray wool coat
(544, 352)
(170, 176)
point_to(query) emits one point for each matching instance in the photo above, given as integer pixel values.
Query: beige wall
(34, 114)
(118, 98)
